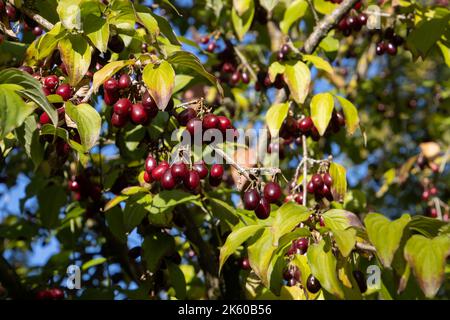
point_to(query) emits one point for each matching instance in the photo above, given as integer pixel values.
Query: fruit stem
(305, 167)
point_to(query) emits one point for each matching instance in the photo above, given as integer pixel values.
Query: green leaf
(242, 22)
(186, 59)
(177, 280)
(323, 267)
(155, 247)
(69, 13)
(322, 105)
(427, 258)
(46, 43)
(445, 52)
(108, 71)
(275, 117)
(287, 217)
(97, 30)
(295, 11)
(31, 89)
(114, 202)
(298, 79)
(167, 30)
(260, 254)
(88, 123)
(51, 199)
(339, 187)
(338, 220)
(318, 62)
(13, 111)
(171, 198)
(93, 263)
(236, 239)
(144, 16)
(223, 211)
(275, 69)
(76, 55)
(324, 7)
(268, 4)
(385, 235)
(345, 240)
(160, 81)
(115, 221)
(129, 191)
(135, 210)
(429, 227)
(28, 136)
(350, 113)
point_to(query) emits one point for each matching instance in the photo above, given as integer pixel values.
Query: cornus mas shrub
(246, 149)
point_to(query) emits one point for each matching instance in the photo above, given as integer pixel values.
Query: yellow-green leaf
(275, 117)
(350, 113)
(242, 22)
(298, 78)
(160, 81)
(294, 12)
(322, 105)
(318, 62)
(108, 71)
(76, 55)
(339, 187)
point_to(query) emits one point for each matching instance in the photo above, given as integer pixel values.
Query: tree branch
(305, 167)
(365, 247)
(325, 25)
(36, 17)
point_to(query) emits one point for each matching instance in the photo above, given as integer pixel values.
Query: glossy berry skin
(302, 245)
(227, 67)
(316, 179)
(123, 107)
(11, 13)
(159, 171)
(110, 97)
(201, 168)
(186, 115)
(360, 280)
(118, 121)
(285, 49)
(179, 170)
(432, 212)
(65, 91)
(211, 47)
(194, 125)
(433, 191)
(223, 123)
(204, 40)
(168, 181)
(326, 192)
(327, 179)
(380, 48)
(124, 81)
(245, 77)
(74, 185)
(138, 114)
(44, 118)
(111, 84)
(216, 171)
(251, 199)
(391, 49)
(425, 195)
(150, 105)
(245, 264)
(37, 31)
(235, 77)
(262, 211)
(340, 118)
(210, 121)
(310, 187)
(305, 125)
(192, 180)
(115, 44)
(51, 82)
(214, 182)
(312, 284)
(150, 164)
(272, 192)
(148, 177)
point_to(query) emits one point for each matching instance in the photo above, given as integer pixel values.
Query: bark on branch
(36, 17)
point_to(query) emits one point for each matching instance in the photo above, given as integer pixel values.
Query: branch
(365, 247)
(305, 167)
(36, 17)
(326, 24)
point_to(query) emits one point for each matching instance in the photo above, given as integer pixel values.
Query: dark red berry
(110, 97)
(357, 5)
(118, 121)
(272, 192)
(251, 199)
(51, 82)
(44, 118)
(111, 84)
(179, 170)
(168, 181)
(224, 123)
(398, 40)
(194, 125)
(150, 164)
(327, 179)
(285, 49)
(216, 171)
(201, 168)
(425, 195)
(148, 177)
(228, 67)
(56, 293)
(433, 191)
(37, 31)
(391, 49)
(115, 44)
(148, 102)
(280, 56)
(432, 212)
(124, 81)
(312, 284)
(342, 25)
(211, 47)
(292, 282)
(316, 179)
(214, 182)
(262, 211)
(74, 185)
(26, 69)
(184, 116)
(245, 264)
(210, 121)
(380, 48)
(123, 107)
(65, 91)
(204, 39)
(305, 125)
(310, 187)
(362, 19)
(158, 172)
(138, 114)
(235, 77)
(192, 180)
(11, 12)
(245, 77)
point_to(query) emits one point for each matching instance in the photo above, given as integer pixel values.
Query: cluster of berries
(253, 200)
(352, 22)
(320, 186)
(50, 294)
(389, 43)
(14, 15)
(210, 45)
(83, 188)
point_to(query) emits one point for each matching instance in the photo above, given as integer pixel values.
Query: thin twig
(36, 17)
(305, 167)
(245, 63)
(365, 247)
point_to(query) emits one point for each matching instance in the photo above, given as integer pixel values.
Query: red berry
(26, 69)
(150, 164)
(148, 102)
(124, 81)
(298, 197)
(316, 179)
(262, 211)
(245, 264)
(380, 48)
(138, 114)
(310, 187)
(326, 192)
(56, 293)
(251, 199)
(37, 31)
(433, 213)
(51, 82)
(11, 12)
(216, 171)
(158, 172)
(115, 44)
(204, 39)
(74, 185)
(235, 77)
(433, 191)
(111, 84)
(118, 121)
(148, 177)
(227, 67)
(362, 19)
(123, 107)
(245, 77)
(224, 123)
(192, 180)
(312, 284)
(357, 5)
(391, 49)
(327, 179)
(44, 118)
(201, 168)
(272, 192)
(302, 245)
(305, 125)
(65, 91)
(194, 125)
(110, 97)
(425, 195)
(214, 182)
(211, 47)
(168, 180)
(342, 25)
(179, 170)
(210, 121)
(184, 116)
(285, 49)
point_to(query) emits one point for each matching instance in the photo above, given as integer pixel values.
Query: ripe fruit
(262, 211)
(285, 49)
(216, 171)
(433, 191)
(194, 125)
(360, 280)
(305, 125)
(201, 168)
(118, 121)
(138, 114)
(391, 49)
(425, 195)
(245, 77)
(65, 91)
(111, 84)
(380, 48)
(204, 40)
(251, 199)
(148, 102)
(312, 284)
(51, 82)
(115, 44)
(179, 170)
(211, 47)
(310, 187)
(245, 264)
(301, 244)
(11, 13)
(432, 212)
(150, 164)
(44, 118)
(235, 77)
(168, 180)
(124, 81)
(184, 116)
(210, 121)
(158, 172)
(272, 192)
(37, 31)
(317, 181)
(224, 123)
(327, 179)
(123, 107)
(227, 67)
(74, 185)
(148, 177)
(192, 180)
(110, 97)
